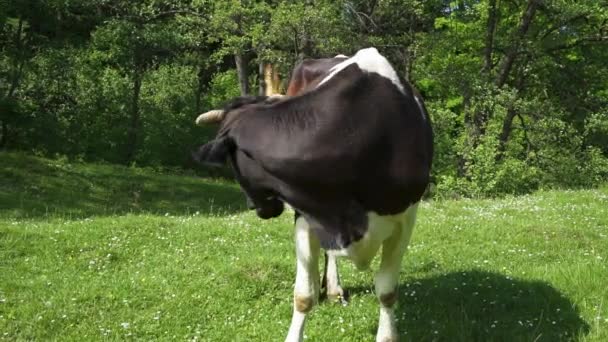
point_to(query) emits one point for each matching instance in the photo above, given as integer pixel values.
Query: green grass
(98, 252)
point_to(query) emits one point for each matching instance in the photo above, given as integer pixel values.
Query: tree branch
(524, 128)
(19, 59)
(562, 23)
(144, 19)
(490, 31)
(578, 42)
(509, 59)
(172, 13)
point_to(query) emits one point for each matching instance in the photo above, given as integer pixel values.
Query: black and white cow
(351, 156)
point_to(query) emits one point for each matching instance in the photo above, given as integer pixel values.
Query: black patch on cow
(248, 100)
(215, 152)
(354, 145)
(265, 203)
(346, 224)
(269, 208)
(242, 101)
(259, 196)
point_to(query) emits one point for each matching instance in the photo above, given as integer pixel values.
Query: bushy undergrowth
(544, 152)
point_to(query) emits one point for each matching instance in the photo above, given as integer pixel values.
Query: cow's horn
(211, 116)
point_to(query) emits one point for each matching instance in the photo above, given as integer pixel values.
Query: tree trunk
(272, 80)
(15, 80)
(11, 92)
(505, 70)
(19, 60)
(15, 77)
(478, 120)
(4, 136)
(405, 57)
(461, 166)
(261, 79)
(490, 31)
(204, 77)
(199, 91)
(507, 123)
(306, 50)
(133, 131)
(58, 29)
(242, 69)
(511, 54)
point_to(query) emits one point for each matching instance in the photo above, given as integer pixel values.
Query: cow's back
(307, 75)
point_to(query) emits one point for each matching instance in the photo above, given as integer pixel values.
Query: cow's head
(248, 172)
(216, 152)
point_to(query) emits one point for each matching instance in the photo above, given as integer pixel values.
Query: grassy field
(98, 252)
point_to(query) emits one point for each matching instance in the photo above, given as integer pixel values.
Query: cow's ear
(214, 152)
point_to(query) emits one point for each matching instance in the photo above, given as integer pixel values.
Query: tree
(138, 37)
(516, 89)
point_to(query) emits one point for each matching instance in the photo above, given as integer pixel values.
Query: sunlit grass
(80, 261)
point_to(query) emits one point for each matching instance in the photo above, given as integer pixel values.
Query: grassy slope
(90, 252)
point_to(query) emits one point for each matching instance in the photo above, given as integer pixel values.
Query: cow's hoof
(388, 339)
(340, 297)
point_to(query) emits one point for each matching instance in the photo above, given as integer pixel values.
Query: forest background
(517, 89)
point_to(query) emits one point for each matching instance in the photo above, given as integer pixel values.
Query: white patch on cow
(387, 331)
(387, 277)
(341, 56)
(369, 60)
(379, 228)
(307, 253)
(307, 275)
(296, 329)
(392, 232)
(332, 277)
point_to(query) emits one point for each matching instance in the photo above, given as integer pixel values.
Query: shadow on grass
(484, 306)
(33, 187)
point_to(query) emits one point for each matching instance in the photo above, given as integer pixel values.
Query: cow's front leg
(387, 278)
(306, 292)
(331, 280)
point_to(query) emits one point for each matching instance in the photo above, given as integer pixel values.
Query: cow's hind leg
(387, 276)
(306, 292)
(331, 280)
